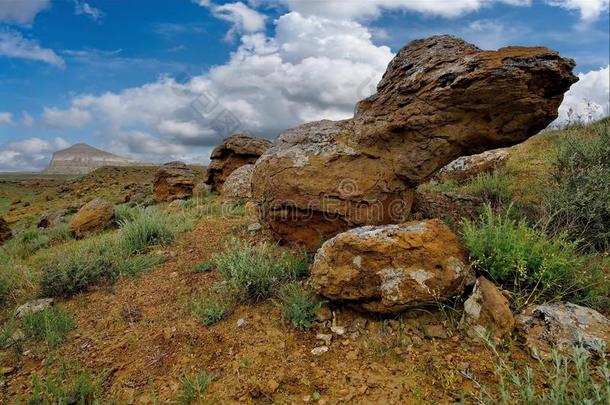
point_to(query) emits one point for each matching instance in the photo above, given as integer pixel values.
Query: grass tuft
(299, 306)
(194, 387)
(145, 229)
(50, 325)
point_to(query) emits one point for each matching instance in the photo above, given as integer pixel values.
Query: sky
(161, 80)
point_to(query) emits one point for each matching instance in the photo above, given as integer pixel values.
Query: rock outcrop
(440, 98)
(561, 326)
(238, 185)
(201, 190)
(386, 269)
(52, 218)
(96, 215)
(82, 158)
(487, 312)
(236, 151)
(5, 231)
(173, 181)
(466, 167)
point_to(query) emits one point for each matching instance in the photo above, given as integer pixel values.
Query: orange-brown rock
(388, 268)
(236, 151)
(439, 99)
(96, 215)
(5, 231)
(238, 185)
(173, 181)
(487, 312)
(466, 167)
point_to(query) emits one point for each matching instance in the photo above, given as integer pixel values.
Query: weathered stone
(34, 306)
(201, 189)
(51, 218)
(236, 151)
(446, 205)
(389, 268)
(173, 181)
(238, 185)
(487, 312)
(439, 99)
(466, 167)
(96, 215)
(561, 326)
(5, 231)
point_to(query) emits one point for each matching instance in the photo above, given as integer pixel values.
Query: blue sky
(158, 79)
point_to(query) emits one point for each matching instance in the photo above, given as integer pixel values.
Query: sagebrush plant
(534, 266)
(579, 198)
(67, 386)
(492, 186)
(298, 305)
(202, 267)
(147, 228)
(256, 272)
(194, 387)
(9, 281)
(50, 325)
(571, 378)
(123, 213)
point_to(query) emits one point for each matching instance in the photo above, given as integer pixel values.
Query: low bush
(123, 213)
(77, 386)
(202, 267)
(28, 242)
(256, 272)
(579, 198)
(145, 229)
(194, 387)
(532, 265)
(299, 306)
(8, 283)
(50, 325)
(573, 378)
(209, 310)
(493, 187)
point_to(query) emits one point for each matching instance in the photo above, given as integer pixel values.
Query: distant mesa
(82, 158)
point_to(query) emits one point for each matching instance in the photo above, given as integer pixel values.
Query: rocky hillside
(82, 158)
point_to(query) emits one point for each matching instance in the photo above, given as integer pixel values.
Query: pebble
(241, 322)
(324, 337)
(317, 351)
(338, 330)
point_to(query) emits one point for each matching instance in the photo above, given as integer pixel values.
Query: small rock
(255, 227)
(359, 323)
(317, 351)
(325, 337)
(435, 331)
(272, 385)
(338, 330)
(34, 306)
(241, 322)
(17, 336)
(175, 205)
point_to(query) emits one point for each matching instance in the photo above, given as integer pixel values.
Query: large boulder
(385, 269)
(173, 181)
(96, 215)
(439, 99)
(560, 326)
(238, 185)
(466, 167)
(487, 312)
(5, 231)
(236, 151)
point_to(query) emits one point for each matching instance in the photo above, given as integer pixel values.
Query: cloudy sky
(156, 80)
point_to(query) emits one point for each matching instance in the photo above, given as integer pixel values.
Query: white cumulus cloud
(589, 9)
(243, 18)
(29, 154)
(72, 118)
(14, 45)
(21, 12)
(82, 8)
(6, 118)
(588, 99)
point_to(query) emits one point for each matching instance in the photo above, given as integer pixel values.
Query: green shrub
(136, 265)
(570, 379)
(526, 261)
(8, 283)
(123, 213)
(30, 241)
(147, 228)
(50, 325)
(256, 272)
(493, 187)
(74, 268)
(194, 387)
(579, 199)
(202, 267)
(67, 387)
(188, 204)
(299, 306)
(209, 310)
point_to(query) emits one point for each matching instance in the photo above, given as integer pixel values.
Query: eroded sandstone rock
(236, 151)
(561, 326)
(96, 215)
(466, 167)
(5, 231)
(439, 99)
(173, 181)
(388, 268)
(51, 218)
(238, 185)
(487, 312)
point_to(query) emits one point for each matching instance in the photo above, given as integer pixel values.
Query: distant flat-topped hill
(82, 158)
